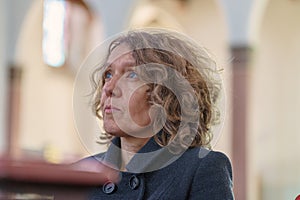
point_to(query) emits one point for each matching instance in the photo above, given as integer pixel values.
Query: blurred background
(256, 42)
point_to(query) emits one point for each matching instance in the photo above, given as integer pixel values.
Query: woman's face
(125, 108)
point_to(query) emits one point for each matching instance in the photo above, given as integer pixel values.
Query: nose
(111, 87)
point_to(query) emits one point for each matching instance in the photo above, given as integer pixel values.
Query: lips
(110, 109)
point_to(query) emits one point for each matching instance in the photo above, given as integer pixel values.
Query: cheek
(139, 108)
(102, 99)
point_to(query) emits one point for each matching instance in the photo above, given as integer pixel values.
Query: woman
(156, 93)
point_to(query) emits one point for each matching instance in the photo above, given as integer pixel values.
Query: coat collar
(150, 157)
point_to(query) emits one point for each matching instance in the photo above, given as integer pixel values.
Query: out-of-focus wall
(46, 111)
(274, 104)
(3, 76)
(12, 13)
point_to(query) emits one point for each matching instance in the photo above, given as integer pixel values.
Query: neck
(130, 146)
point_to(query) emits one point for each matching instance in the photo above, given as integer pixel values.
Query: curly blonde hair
(188, 127)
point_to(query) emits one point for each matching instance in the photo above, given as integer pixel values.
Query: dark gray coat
(195, 174)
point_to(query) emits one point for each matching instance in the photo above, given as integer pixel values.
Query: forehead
(120, 53)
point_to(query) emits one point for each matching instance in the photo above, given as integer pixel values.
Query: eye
(132, 74)
(107, 75)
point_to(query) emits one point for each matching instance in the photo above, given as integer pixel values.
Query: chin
(114, 131)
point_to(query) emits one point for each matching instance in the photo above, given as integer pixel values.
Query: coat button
(109, 187)
(134, 182)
